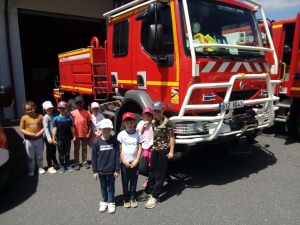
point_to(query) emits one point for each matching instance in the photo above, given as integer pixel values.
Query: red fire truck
(216, 87)
(286, 38)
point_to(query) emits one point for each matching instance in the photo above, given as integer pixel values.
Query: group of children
(60, 132)
(153, 138)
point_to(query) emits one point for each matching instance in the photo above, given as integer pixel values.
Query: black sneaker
(86, 165)
(77, 167)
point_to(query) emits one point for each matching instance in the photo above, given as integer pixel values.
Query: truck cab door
(294, 83)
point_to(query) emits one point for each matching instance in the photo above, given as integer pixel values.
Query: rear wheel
(71, 106)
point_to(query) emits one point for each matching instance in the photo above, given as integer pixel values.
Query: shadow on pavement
(278, 131)
(20, 186)
(212, 165)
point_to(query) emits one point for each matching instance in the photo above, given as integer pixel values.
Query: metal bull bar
(266, 102)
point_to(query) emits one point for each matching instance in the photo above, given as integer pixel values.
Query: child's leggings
(34, 149)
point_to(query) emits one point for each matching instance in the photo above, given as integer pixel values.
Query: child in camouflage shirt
(162, 151)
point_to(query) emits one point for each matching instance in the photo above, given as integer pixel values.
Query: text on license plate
(231, 105)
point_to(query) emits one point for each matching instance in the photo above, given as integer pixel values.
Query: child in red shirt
(82, 120)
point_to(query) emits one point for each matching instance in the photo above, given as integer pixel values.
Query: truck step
(280, 120)
(100, 76)
(283, 105)
(118, 97)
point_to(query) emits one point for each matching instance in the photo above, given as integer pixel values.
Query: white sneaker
(151, 202)
(103, 206)
(31, 173)
(51, 170)
(41, 171)
(111, 207)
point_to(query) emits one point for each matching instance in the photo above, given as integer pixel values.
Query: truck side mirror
(154, 7)
(156, 41)
(6, 96)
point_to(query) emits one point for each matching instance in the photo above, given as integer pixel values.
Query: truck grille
(238, 95)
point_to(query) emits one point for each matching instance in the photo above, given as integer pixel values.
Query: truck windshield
(217, 22)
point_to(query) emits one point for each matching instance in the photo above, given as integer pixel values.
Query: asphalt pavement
(247, 184)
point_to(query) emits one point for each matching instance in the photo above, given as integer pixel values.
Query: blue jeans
(107, 182)
(129, 175)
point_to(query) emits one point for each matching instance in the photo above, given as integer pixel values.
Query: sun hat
(157, 105)
(106, 123)
(147, 110)
(128, 115)
(47, 105)
(62, 104)
(95, 105)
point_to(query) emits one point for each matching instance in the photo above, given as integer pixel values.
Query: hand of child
(96, 176)
(170, 155)
(134, 163)
(87, 136)
(50, 141)
(55, 142)
(74, 139)
(146, 122)
(116, 175)
(127, 164)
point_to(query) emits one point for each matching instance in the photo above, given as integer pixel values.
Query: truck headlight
(190, 128)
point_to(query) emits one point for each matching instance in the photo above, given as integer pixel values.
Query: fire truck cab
(204, 59)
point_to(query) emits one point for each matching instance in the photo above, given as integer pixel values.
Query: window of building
(120, 38)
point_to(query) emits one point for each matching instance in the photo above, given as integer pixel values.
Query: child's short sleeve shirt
(32, 124)
(81, 120)
(147, 134)
(130, 144)
(96, 121)
(161, 128)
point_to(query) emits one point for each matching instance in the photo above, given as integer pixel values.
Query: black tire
(71, 106)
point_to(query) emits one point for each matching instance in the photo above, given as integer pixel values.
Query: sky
(280, 9)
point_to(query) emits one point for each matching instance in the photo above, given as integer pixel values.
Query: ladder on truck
(101, 81)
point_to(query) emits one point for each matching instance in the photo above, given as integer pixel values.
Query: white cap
(95, 105)
(106, 123)
(47, 105)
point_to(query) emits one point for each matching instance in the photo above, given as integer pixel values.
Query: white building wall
(82, 8)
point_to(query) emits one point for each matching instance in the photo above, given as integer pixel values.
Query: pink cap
(62, 104)
(147, 110)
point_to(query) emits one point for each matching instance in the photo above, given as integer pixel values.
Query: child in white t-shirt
(96, 118)
(145, 128)
(130, 152)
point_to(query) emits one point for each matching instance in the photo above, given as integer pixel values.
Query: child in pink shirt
(145, 128)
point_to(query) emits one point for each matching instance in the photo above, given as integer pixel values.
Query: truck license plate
(231, 105)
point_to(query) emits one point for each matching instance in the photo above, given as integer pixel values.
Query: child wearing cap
(82, 120)
(130, 152)
(50, 147)
(145, 128)
(162, 151)
(63, 133)
(106, 164)
(31, 125)
(96, 118)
